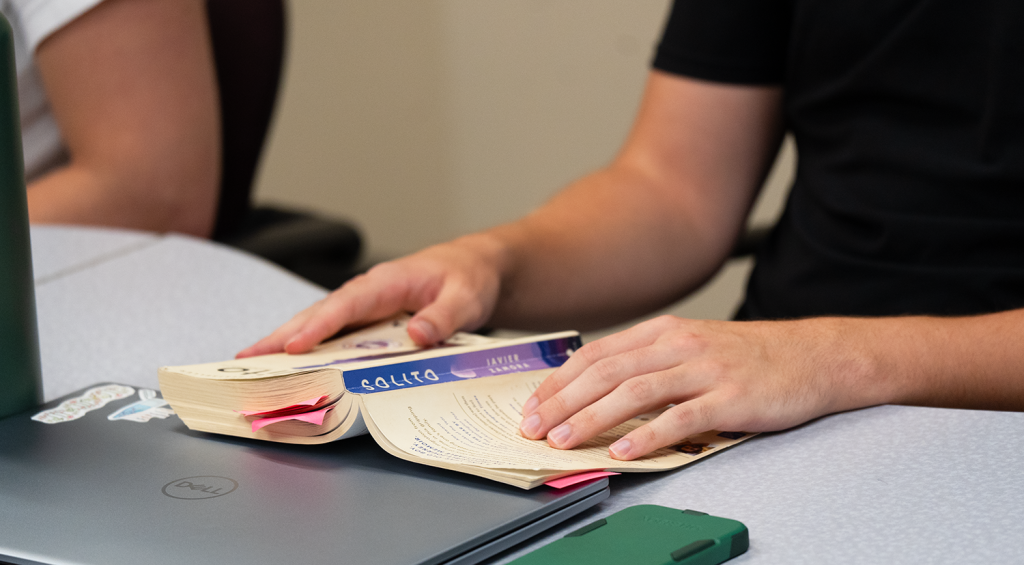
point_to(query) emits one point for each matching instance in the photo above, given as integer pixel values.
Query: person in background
(895, 275)
(119, 116)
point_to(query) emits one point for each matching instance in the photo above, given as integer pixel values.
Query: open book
(455, 406)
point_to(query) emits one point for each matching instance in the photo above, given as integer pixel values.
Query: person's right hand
(452, 286)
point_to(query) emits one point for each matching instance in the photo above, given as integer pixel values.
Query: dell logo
(195, 488)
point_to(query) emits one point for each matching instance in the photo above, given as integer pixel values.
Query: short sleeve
(38, 19)
(733, 41)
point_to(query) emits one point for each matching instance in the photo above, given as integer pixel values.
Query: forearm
(612, 246)
(181, 201)
(964, 362)
(654, 224)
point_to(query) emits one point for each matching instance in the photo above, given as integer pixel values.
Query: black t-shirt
(909, 122)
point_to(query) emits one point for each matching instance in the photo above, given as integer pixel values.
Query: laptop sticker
(75, 408)
(150, 406)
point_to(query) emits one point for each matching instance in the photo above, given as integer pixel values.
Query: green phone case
(647, 535)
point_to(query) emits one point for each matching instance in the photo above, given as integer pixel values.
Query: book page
(476, 422)
(372, 345)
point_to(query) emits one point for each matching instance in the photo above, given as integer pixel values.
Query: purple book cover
(475, 364)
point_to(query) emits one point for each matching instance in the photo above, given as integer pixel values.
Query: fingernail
(426, 330)
(621, 448)
(530, 425)
(560, 434)
(530, 405)
(289, 343)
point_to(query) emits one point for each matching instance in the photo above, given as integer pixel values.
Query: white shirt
(32, 22)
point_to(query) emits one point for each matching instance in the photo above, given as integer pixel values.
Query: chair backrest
(21, 385)
(248, 48)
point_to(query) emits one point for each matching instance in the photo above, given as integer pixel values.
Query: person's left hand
(728, 376)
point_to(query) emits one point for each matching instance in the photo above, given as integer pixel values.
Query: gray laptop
(101, 491)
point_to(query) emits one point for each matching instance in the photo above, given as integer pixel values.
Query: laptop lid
(20, 380)
(142, 488)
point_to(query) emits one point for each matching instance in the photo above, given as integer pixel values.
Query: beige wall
(422, 120)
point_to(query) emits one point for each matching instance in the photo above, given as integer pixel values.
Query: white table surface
(116, 305)
(881, 485)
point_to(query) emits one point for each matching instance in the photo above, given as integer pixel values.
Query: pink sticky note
(316, 417)
(303, 404)
(579, 478)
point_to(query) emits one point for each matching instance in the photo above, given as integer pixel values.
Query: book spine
(475, 364)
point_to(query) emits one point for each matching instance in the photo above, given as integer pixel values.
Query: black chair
(750, 241)
(248, 39)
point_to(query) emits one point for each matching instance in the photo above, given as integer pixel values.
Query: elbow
(192, 199)
(164, 180)
(177, 194)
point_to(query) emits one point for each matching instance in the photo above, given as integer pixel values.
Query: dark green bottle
(21, 382)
